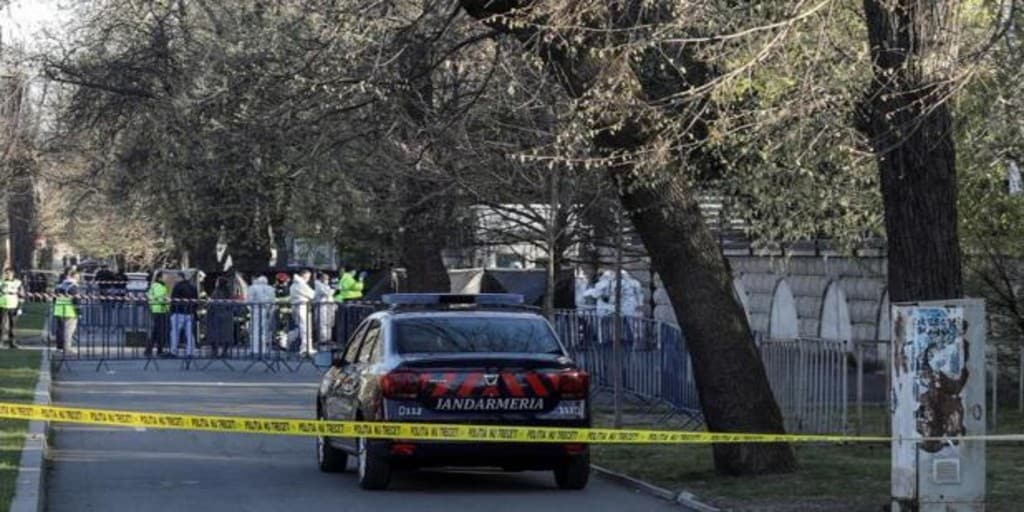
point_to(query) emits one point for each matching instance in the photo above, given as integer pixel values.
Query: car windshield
(481, 334)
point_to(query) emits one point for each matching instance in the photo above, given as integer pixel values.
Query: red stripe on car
(468, 385)
(536, 384)
(512, 384)
(441, 388)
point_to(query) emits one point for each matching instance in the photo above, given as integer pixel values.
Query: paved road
(99, 468)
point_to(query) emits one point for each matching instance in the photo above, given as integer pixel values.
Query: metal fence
(272, 336)
(809, 377)
(656, 367)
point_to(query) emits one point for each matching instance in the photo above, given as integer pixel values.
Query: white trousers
(300, 313)
(260, 329)
(325, 321)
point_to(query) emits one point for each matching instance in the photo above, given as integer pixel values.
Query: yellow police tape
(416, 431)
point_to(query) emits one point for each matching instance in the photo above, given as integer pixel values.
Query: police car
(471, 359)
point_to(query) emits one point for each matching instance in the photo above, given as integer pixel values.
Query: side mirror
(338, 358)
(330, 355)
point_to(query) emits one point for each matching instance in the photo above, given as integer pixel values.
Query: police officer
(65, 310)
(159, 308)
(350, 287)
(10, 305)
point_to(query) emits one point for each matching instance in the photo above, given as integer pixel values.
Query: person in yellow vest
(350, 287)
(10, 305)
(65, 311)
(159, 299)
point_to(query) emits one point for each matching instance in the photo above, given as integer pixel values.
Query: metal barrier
(656, 367)
(808, 377)
(809, 380)
(272, 335)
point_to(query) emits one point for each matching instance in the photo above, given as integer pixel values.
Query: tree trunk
(202, 254)
(21, 216)
(421, 255)
(733, 386)
(911, 130)
(250, 253)
(731, 380)
(555, 228)
(284, 250)
(426, 223)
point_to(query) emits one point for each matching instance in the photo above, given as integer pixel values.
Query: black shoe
(13, 346)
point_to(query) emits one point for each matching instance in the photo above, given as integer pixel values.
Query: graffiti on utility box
(938, 392)
(932, 345)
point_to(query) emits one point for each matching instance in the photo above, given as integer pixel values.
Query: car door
(353, 374)
(365, 391)
(334, 405)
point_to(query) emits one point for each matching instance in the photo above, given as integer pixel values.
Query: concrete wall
(809, 296)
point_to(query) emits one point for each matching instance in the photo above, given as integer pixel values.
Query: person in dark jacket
(220, 318)
(183, 315)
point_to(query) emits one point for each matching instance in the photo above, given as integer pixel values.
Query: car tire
(329, 458)
(573, 474)
(374, 472)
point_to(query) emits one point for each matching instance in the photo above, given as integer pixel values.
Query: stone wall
(794, 294)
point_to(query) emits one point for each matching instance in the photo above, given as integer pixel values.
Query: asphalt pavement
(99, 468)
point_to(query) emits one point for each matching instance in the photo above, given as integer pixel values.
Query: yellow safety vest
(9, 298)
(64, 307)
(349, 288)
(159, 302)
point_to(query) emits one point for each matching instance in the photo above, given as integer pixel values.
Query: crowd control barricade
(656, 371)
(349, 315)
(808, 376)
(271, 335)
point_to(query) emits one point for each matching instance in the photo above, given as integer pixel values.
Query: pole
(553, 230)
(860, 388)
(995, 391)
(889, 358)
(617, 337)
(1020, 382)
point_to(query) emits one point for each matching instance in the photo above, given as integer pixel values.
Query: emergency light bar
(438, 299)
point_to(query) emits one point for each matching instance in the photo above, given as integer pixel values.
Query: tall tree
(906, 115)
(20, 167)
(661, 202)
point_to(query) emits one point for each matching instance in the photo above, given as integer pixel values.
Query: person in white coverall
(604, 293)
(260, 297)
(300, 295)
(323, 301)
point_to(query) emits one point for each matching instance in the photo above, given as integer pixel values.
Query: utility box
(938, 391)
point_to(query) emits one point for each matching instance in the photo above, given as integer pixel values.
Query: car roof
(456, 313)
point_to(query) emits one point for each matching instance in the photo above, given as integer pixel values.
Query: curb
(30, 487)
(686, 499)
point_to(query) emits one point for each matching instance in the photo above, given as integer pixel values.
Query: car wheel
(329, 458)
(374, 472)
(573, 474)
